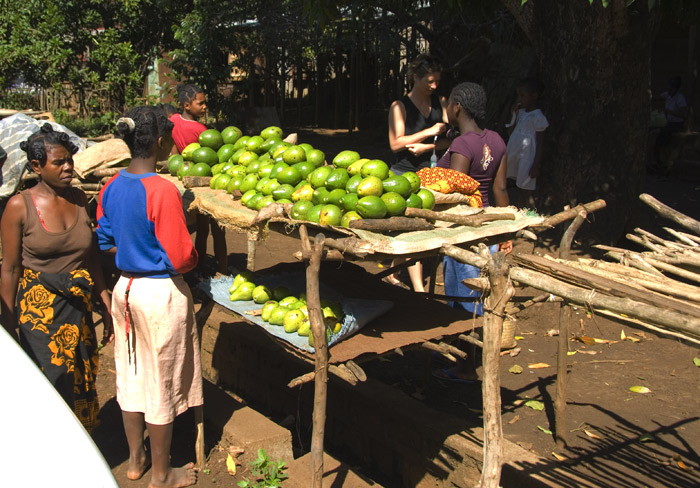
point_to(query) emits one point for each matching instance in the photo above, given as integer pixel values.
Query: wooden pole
(563, 339)
(254, 235)
(403, 224)
(674, 215)
(569, 214)
(494, 307)
(671, 319)
(199, 443)
(318, 329)
(468, 220)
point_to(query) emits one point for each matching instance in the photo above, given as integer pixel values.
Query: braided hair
(471, 97)
(45, 137)
(141, 127)
(186, 93)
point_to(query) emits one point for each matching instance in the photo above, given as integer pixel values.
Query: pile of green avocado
(265, 169)
(280, 307)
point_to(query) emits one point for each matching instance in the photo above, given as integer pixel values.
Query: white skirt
(158, 368)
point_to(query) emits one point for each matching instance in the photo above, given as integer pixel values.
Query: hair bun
(128, 123)
(46, 128)
(24, 145)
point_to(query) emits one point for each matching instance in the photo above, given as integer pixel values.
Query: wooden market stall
(454, 229)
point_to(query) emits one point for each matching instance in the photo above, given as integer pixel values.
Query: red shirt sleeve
(168, 217)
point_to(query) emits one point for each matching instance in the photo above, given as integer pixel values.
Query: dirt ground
(615, 437)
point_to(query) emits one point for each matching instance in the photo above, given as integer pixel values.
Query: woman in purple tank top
(481, 154)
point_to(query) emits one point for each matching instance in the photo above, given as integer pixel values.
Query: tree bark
(595, 67)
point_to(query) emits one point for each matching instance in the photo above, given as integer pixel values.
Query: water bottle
(433, 158)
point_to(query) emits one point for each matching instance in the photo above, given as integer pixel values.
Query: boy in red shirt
(186, 130)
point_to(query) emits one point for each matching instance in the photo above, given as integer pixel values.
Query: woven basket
(508, 334)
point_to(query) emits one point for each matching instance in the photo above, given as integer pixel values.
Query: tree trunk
(595, 68)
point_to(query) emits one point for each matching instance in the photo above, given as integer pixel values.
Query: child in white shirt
(526, 142)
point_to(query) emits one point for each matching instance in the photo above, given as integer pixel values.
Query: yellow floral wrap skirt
(57, 332)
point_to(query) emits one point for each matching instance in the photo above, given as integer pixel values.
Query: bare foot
(177, 478)
(137, 467)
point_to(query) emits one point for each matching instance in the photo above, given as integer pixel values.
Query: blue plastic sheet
(358, 311)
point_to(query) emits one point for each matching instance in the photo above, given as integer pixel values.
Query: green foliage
(270, 474)
(21, 97)
(102, 49)
(86, 126)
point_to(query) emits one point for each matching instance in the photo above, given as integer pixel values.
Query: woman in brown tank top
(50, 270)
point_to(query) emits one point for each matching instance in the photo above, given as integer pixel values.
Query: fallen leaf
(206, 471)
(552, 333)
(696, 362)
(546, 431)
(639, 389)
(519, 338)
(591, 434)
(604, 341)
(570, 353)
(680, 463)
(230, 465)
(641, 334)
(582, 351)
(673, 373)
(514, 419)
(535, 405)
(559, 457)
(538, 365)
(518, 402)
(516, 369)
(585, 339)
(514, 352)
(622, 335)
(646, 438)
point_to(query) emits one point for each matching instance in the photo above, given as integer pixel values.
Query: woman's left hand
(419, 148)
(506, 247)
